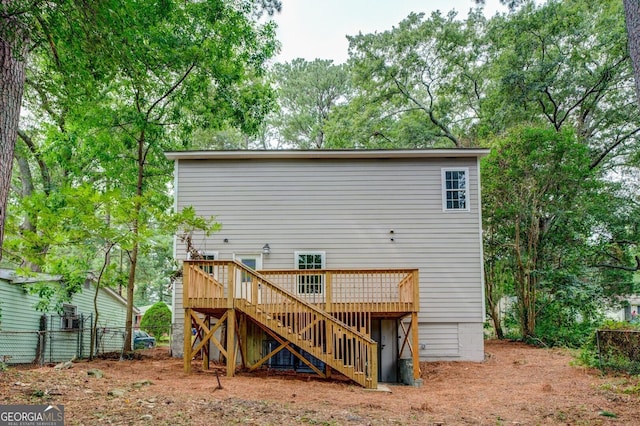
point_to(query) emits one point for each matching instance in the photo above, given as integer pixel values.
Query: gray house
(351, 217)
(31, 336)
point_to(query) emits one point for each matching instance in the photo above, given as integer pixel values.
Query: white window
(69, 319)
(310, 284)
(455, 189)
(205, 255)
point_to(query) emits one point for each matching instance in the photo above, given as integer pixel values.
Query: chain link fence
(72, 340)
(619, 350)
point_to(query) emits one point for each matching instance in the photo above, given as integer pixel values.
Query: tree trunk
(12, 76)
(131, 287)
(632, 17)
(493, 297)
(94, 328)
(136, 244)
(494, 313)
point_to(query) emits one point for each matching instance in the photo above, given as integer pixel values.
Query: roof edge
(325, 154)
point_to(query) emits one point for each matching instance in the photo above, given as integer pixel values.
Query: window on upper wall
(455, 189)
(310, 284)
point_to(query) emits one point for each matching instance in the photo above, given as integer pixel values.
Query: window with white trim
(205, 255)
(310, 283)
(455, 189)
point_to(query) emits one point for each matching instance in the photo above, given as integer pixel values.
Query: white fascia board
(325, 154)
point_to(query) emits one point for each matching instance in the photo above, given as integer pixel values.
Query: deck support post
(416, 346)
(231, 342)
(186, 353)
(205, 348)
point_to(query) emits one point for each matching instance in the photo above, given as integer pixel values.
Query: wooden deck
(327, 313)
(389, 292)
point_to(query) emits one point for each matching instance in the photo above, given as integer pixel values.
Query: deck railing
(357, 290)
(205, 285)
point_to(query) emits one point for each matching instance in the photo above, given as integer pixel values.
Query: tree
(46, 30)
(123, 84)
(498, 276)
(13, 48)
(168, 78)
(308, 92)
(563, 64)
(632, 17)
(536, 187)
(422, 80)
(157, 320)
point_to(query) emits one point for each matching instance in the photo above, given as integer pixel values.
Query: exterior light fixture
(266, 249)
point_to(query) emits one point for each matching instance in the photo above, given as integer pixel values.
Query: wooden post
(416, 291)
(416, 346)
(207, 346)
(374, 366)
(231, 342)
(186, 353)
(254, 291)
(328, 293)
(232, 287)
(244, 340)
(186, 268)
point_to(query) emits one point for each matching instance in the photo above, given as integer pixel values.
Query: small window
(455, 189)
(205, 255)
(69, 319)
(310, 284)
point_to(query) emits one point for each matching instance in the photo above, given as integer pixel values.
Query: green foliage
(157, 320)
(419, 84)
(568, 316)
(111, 87)
(620, 325)
(607, 357)
(308, 94)
(564, 64)
(531, 182)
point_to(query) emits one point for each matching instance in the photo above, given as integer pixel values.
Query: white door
(243, 281)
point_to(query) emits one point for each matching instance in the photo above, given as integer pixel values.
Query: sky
(313, 29)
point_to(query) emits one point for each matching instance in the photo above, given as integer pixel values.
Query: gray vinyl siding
(442, 340)
(348, 209)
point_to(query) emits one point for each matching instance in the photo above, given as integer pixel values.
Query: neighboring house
(28, 335)
(631, 310)
(369, 223)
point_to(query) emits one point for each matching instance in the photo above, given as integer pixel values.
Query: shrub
(157, 320)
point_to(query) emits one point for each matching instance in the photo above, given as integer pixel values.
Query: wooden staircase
(311, 329)
(292, 321)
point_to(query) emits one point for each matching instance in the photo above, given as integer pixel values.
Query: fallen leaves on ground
(517, 384)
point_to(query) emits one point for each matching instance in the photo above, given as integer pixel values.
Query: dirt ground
(516, 385)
